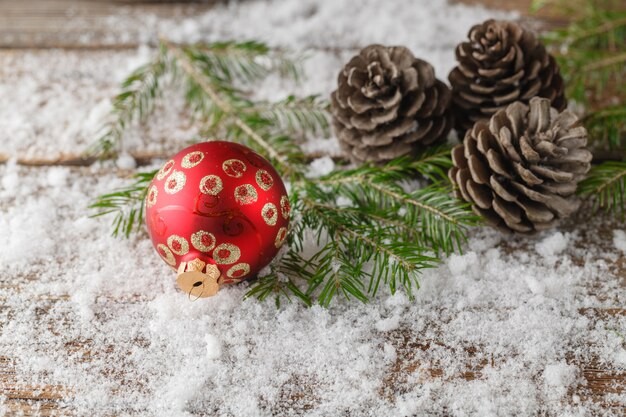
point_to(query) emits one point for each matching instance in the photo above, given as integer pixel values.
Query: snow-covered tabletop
(93, 325)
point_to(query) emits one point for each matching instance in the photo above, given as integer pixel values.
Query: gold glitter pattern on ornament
(226, 253)
(178, 244)
(264, 179)
(203, 241)
(151, 199)
(285, 208)
(192, 159)
(175, 182)
(234, 168)
(246, 194)
(238, 271)
(165, 169)
(166, 254)
(270, 214)
(280, 237)
(211, 184)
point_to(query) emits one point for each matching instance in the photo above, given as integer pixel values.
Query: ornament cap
(198, 284)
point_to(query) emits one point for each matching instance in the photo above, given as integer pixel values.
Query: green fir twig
(605, 185)
(134, 103)
(126, 205)
(591, 52)
(607, 125)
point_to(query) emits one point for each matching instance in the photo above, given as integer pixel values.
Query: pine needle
(294, 115)
(605, 185)
(591, 52)
(135, 102)
(126, 204)
(607, 125)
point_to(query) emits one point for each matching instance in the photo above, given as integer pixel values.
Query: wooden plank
(601, 382)
(44, 24)
(84, 23)
(29, 400)
(87, 24)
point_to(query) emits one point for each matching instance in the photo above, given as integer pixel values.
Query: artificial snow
(321, 166)
(213, 347)
(125, 161)
(459, 264)
(73, 289)
(558, 377)
(100, 316)
(619, 240)
(552, 245)
(388, 324)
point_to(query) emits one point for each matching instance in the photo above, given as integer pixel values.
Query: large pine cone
(387, 104)
(501, 64)
(520, 169)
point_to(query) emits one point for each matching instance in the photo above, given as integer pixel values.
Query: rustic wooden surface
(44, 24)
(81, 24)
(55, 23)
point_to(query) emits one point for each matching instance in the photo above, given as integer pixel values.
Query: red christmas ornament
(217, 212)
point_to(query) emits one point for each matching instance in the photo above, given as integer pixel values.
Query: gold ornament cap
(196, 280)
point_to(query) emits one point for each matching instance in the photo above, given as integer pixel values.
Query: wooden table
(44, 24)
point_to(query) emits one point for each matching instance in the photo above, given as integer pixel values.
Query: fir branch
(135, 102)
(384, 233)
(441, 218)
(196, 75)
(246, 62)
(336, 271)
(296, 115)
(607, 125)
(280, 282)
(356, 245)
(592, 54)
(608, 62)
(596, 28)
(219, 65)
(605, 185)
(432, 163)
(127, 204)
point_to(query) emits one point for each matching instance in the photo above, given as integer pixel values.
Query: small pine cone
(501, 64)
(387, 104)
(520, 169)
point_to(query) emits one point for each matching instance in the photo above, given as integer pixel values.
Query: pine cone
(520, 169)
(501, 64)
(387, 104)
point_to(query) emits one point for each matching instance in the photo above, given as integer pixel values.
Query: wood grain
(83, 24)
(87, 24)
(44, 24)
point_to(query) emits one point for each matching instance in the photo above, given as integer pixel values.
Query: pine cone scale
(501, 190)
(536, 213)
(392, 101)
(478, 171)
(510, 212)
(506, 98)
(410, 79)
(544, 149)
(481, 195)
